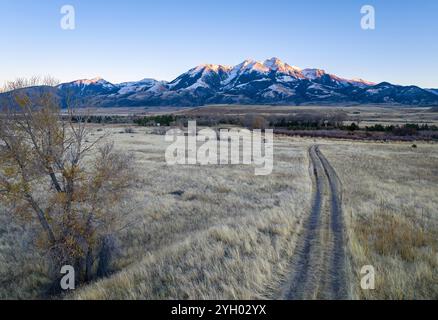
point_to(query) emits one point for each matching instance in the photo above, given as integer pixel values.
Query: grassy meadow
(220, 232)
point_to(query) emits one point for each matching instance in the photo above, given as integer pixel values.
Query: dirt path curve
(319, 262)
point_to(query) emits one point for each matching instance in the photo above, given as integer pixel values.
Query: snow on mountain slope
(88, 82)
(253, 82)
(313, 74)
(88, 87)
(203, 76)
(136, 86)
(248, 70)
(276, 65)
(362, 82)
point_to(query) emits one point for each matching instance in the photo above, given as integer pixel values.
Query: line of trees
(408, 126)
(162, 120)
(299, 121)
(104, 119)
(250, 120)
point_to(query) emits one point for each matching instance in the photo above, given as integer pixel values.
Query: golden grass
(208, 232)
(220, 232)
(231, 261)
(22, 269)
(391, 210)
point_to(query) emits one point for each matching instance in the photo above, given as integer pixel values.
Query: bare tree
(55, 174)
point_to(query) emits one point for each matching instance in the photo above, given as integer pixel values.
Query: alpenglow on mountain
(250, 82)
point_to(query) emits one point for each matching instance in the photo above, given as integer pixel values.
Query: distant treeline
(291, 122)
(162, 120)
(407, 127)
(296, 122)
(301, 121)
(99, 119)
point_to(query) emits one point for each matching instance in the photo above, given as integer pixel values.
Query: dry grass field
(391, 207)
(220, 232)
(207, 231)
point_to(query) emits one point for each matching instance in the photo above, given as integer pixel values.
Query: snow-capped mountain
(208, 76)
(86, 87)
(250, 82)
(136, 86)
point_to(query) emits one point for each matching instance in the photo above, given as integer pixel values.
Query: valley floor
(390, 205)
(220, 232)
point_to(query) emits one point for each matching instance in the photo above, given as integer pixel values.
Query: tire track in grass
(319, 262)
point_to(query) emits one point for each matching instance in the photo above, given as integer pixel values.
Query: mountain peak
(82, 83)
(276, 64)
(208, 67)
(313, 73)
(273, 63)
(96, 80)
(215, 67)
(248, 62)
(365, 82)
(251, 65)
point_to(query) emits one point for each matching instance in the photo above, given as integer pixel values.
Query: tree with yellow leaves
(56, 175)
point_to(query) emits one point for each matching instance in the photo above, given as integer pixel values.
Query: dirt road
(319, 262)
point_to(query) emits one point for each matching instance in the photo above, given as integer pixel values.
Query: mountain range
(250, 82)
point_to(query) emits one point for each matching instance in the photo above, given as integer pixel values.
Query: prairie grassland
(200, 232)
(391, 208)
(23, 272)
(220, 232)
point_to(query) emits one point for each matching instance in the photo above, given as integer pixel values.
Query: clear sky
(132, 39)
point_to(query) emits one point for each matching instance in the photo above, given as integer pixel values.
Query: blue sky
(132, 39)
